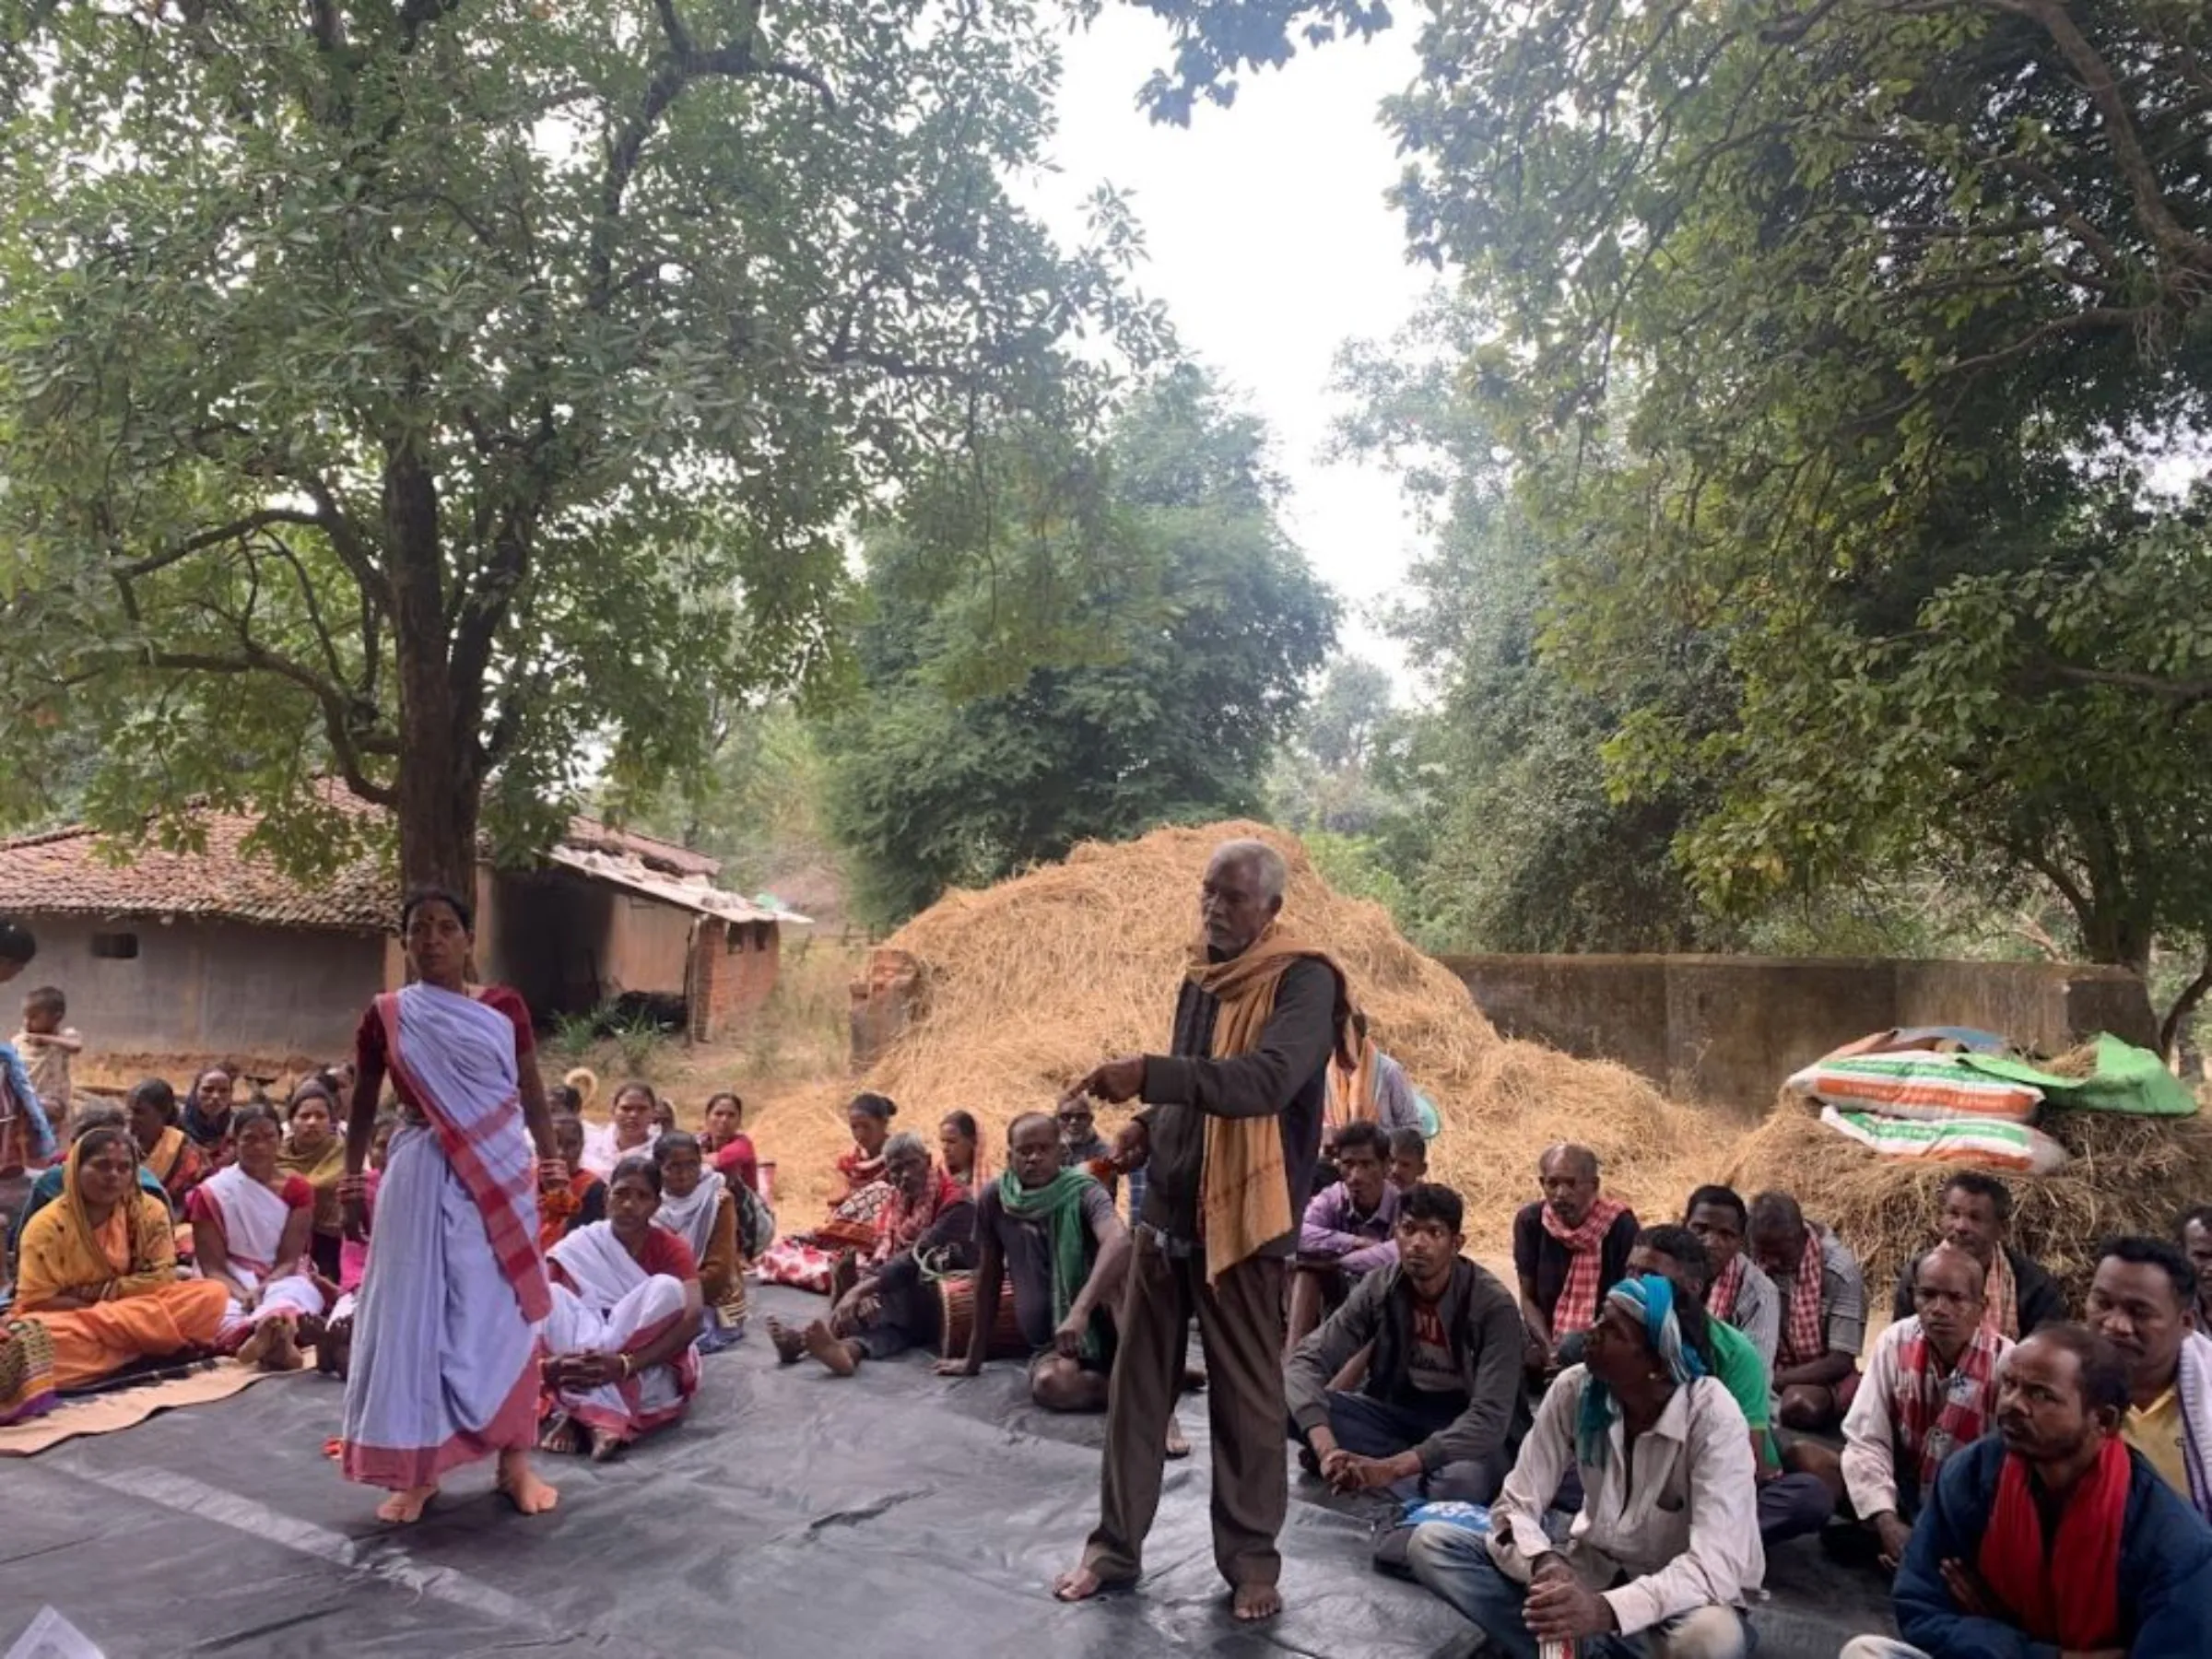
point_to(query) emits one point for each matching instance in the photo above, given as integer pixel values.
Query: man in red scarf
(2054, 1535)
(1570, 1247)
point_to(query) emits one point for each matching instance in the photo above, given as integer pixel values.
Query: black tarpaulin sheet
(793, 1517)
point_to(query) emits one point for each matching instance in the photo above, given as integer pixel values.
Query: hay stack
(1031, 984)
(2124, 1174)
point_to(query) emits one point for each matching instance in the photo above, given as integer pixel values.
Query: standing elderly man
(1231, 1130)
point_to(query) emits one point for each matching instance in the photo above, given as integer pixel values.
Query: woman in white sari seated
(251, 1224)
(711, 1215)
(627, 1308)
(444, 1361)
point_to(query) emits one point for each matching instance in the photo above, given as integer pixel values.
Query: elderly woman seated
(706, 1211)
(98, 1269)
(893, 1306)
(625, 1310)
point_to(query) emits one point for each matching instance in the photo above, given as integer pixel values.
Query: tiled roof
(65, 871)
(595, 837)
(693, 893)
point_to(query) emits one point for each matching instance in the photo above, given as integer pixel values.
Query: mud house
(215, 953)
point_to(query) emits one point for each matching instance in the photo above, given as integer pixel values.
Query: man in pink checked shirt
(1349, 1229)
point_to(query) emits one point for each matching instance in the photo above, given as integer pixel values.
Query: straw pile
(2125, 1175)
(1031, 982)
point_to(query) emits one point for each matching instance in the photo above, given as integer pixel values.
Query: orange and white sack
(1984, 1143)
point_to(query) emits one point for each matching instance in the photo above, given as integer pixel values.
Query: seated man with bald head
(1823, 1292)
(1929, 1392)
(1570, 1247)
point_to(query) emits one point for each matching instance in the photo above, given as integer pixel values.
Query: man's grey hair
(904, 1145)
(1262, 860)
(1580, 1159)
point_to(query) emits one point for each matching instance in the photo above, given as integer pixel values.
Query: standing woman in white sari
(625, 1310)
(251, 1225)
(444, 1364)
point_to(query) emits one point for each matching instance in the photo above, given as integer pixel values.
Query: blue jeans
(1372, 1428)
(1456, 1565)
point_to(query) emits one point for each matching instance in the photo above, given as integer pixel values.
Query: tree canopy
(1184, 627)
(1864, 344)
(438, 393)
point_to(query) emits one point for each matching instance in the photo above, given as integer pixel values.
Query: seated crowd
(1644, 1414)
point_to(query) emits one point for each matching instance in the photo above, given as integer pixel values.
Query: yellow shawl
(1351, 1088)
(62, 1253)
(322, 1171)
(1245, 1190)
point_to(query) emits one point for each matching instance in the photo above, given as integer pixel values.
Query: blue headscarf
(1652, 1300)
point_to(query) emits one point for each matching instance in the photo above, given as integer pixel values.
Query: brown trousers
(1241, 1329)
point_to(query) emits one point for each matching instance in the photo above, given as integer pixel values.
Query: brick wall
(733, 970)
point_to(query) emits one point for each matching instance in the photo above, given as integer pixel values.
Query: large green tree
(1178, 628)
(1863, 340)
(440, 393)
(1505, 835)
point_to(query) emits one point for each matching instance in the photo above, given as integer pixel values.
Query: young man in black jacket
(1976, 1217)
(1442, 1407)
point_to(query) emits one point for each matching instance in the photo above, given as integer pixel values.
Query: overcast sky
(1270, 244)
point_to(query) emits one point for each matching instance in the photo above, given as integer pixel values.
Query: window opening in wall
(115, 947)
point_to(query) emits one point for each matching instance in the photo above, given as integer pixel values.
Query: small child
(1409, 1157)
(46, 1046)
(36, 1062)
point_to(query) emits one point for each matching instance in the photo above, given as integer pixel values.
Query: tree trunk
(439, 791)
(2177, 1017)
(441, 776)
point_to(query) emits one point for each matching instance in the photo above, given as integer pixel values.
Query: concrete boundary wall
(1729, 1028)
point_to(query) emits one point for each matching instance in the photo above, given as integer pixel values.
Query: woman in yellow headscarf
(97, 1271)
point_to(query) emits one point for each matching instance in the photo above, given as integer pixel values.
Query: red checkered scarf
(1719, 1302)
(1938, 1414)
(1804, 1332)
(477, 1119)
(1577, 1307)
(2001, 1299)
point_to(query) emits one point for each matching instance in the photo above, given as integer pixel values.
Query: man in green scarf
(1053, 1233)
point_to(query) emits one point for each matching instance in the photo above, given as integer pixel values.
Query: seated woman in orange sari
(99, 1270)
(807, 1259)
(164, 1148)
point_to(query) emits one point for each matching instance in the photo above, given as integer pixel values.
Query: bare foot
(1082, 1584)
(404, 1509)
(333, 1348)
(283, 1351)
(560, 1436)
(1177, 1445)
(519, 1483)
(836, 1357)
(1252, 1602)
(255, 1348)
(789, 1343)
